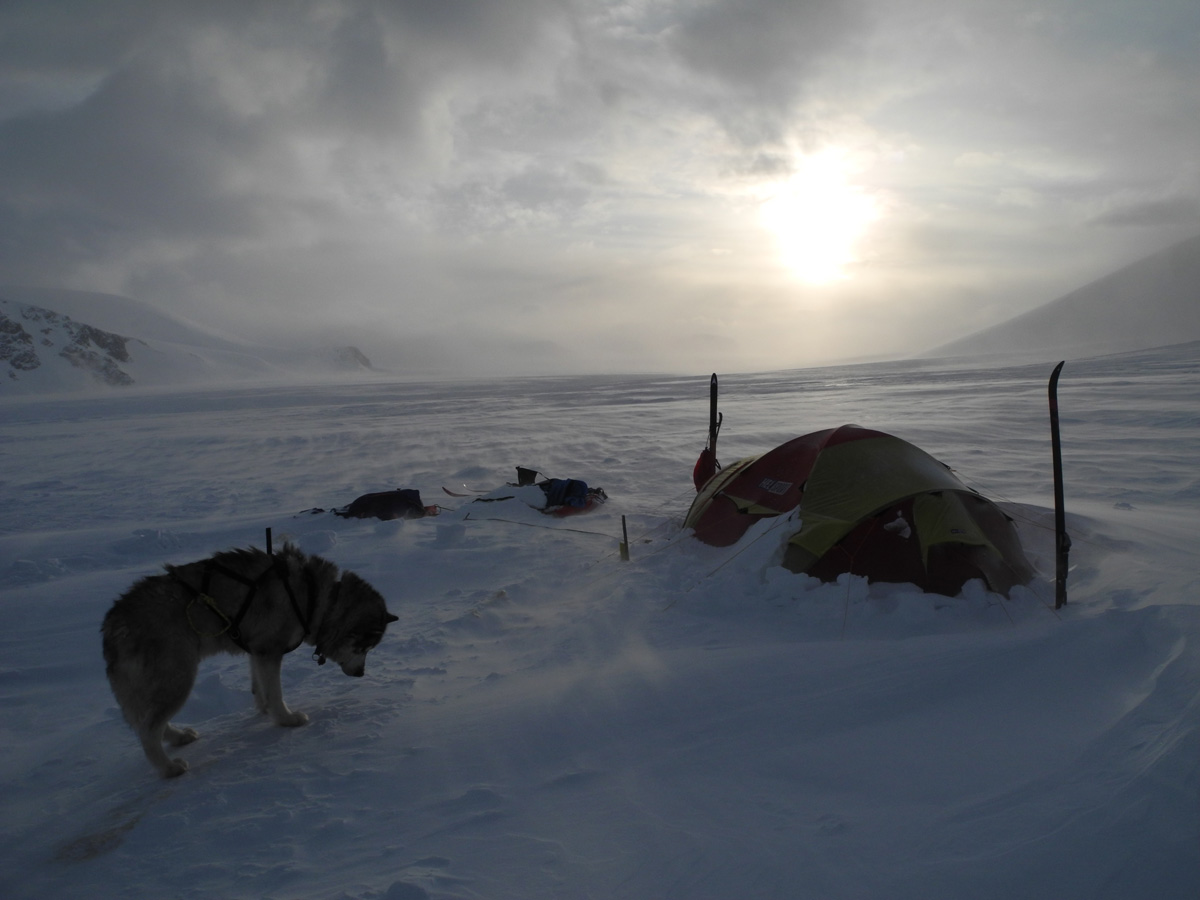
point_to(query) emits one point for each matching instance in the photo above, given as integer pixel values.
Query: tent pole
(1062, 540)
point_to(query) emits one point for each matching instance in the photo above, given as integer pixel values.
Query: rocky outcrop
(30, 337)
(16, 347)
(350, 358)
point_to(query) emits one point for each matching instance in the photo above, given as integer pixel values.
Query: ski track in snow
(546, 720)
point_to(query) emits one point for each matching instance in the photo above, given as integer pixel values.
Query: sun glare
(817, 216)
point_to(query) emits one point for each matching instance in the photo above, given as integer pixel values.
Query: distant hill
(79, 340)
(115, 313)
(1150, 303)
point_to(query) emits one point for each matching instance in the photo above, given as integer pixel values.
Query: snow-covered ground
(549, 721)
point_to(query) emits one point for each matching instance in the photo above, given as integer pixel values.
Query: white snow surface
(547, 720)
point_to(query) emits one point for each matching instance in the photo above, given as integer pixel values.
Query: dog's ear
(391, 618)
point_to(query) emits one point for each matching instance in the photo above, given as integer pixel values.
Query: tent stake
(1062, 540)
(625, 541)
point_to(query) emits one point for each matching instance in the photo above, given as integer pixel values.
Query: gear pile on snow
(553, 496)
(402, 503)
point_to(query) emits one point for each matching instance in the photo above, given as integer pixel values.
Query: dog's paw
(175, 768)
(178, 737)
(292, 719)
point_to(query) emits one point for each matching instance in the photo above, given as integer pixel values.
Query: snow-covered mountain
(1151, 303)
(72, 340)
(44, 349)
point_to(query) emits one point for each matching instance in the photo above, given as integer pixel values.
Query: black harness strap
(251, 589)
(310, 583)
(278, 569)
(318, 653)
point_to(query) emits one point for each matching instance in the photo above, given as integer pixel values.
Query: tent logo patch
(774, 486)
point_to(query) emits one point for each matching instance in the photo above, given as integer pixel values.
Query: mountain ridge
(48, 350)
(1152, 302)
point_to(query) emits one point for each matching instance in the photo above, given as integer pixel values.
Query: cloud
(540, 167)
(1177, 210)
(765, 50)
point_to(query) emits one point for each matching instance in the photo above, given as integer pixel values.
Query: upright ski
(1062, 540)
(707, 466)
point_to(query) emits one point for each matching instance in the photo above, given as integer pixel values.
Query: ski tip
(1053, 384)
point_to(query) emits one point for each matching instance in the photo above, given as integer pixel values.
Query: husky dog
(238, 601)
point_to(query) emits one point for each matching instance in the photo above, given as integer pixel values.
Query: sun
(817, 216)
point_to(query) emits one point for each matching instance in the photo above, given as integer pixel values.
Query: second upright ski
(1062, 540)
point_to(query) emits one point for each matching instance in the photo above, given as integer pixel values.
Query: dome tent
(869, 504)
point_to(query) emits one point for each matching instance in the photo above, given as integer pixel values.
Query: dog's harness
(232, 627)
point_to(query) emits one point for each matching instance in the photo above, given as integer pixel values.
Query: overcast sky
(528, 186)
